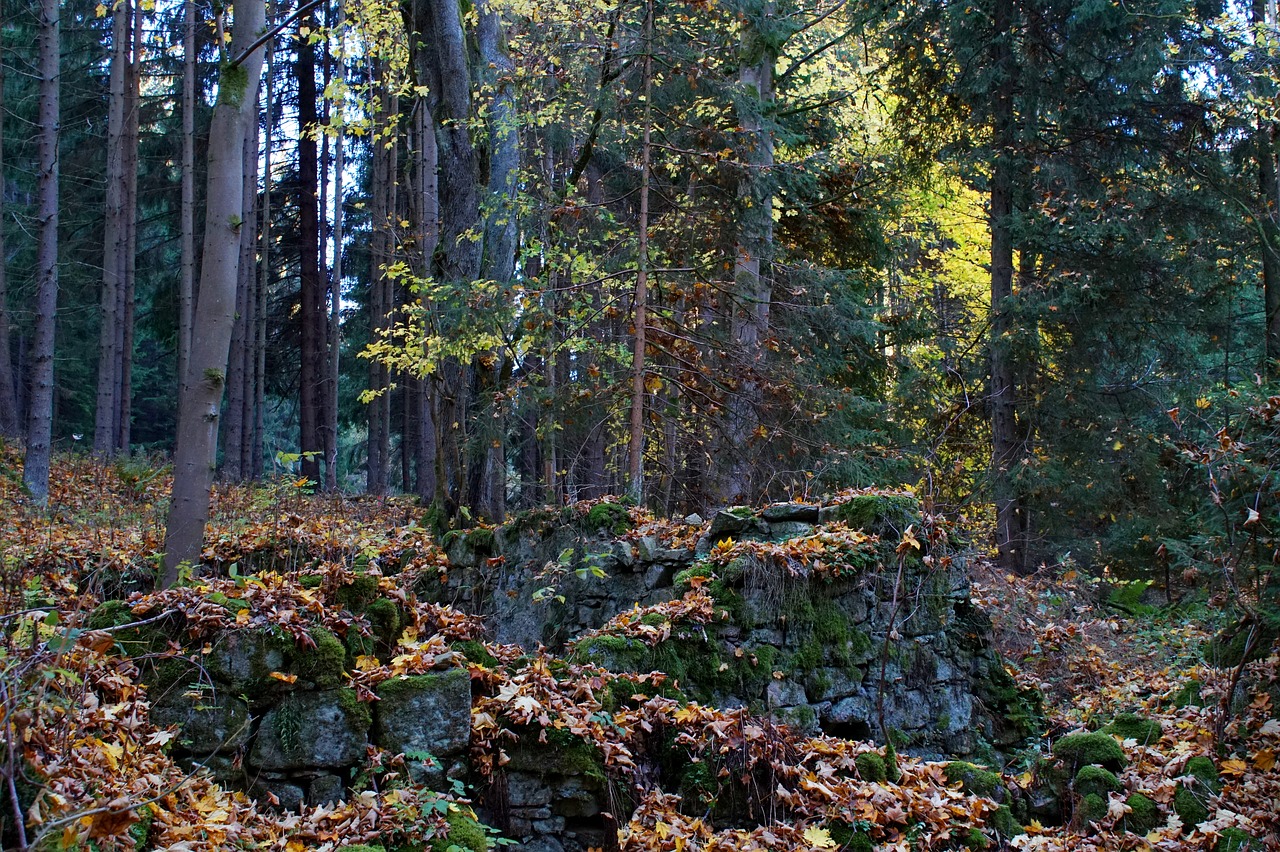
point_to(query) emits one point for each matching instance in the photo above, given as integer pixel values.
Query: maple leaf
(819, 838)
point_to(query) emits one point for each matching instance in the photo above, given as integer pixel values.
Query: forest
(806, 424)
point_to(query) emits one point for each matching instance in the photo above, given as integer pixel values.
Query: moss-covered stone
(1188, 695)
(1203, 770)
(1131, 726)
(975, 839)
(464, 831)
(1236, 840)
(1094, 780)
(1092, 808)
(359, 593)
(974, 779)
(883, 514)
(1006, 825)
(1143, 816)
(871, 767)
(481, 539)
(849, 838)
(1228, 648)
(476, 652)
(323, 664)
(1189, 807)
(1077, 750)
(891, 771)
(384, 619)
(135, 641)
(361, 847)
(610, 517)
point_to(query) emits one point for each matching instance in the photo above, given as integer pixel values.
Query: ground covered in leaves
(1194, 745)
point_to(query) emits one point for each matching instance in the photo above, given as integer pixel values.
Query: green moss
(700, 784)
(1094, 780)
(1079, 750)
(323, 664)
(475, 652)
(1189, 808)
(1188, 695)
(140, 831)
(312, 581)
(1204, 771)
(975, 839)
(883, 514)
(464, 831)
(973, 779)
(573, 755)
(612, 517)
(870, 767)
(1227, 649)
(653, 619)
(359, 593)
(109, 614)
(891, 771)
(1143, 816)
(233, 82)
(1131, 726)
(1235, 840)
(1092, 808)
(357, 712)
(384, 618)
(849, 838)
(361, 847)
(136, 641)
(1005, 823)
(481, 539)
(684, 579)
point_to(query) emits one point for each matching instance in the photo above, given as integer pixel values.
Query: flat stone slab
(425, 714)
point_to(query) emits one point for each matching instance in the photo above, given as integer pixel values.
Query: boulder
(211, 720)
(425, 714)
(313, 729)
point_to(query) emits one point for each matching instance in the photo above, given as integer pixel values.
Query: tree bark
(202, 388)
(35, 473)
(133, 106)
(237, 435)
(186, 282)
(635, 449)
(10, 425)
(264, 283)
(1263, 14)
(312, 316)
(114, 237)
(1006, 449)
(335, 276)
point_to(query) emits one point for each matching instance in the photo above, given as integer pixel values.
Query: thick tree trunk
(256, 449)
(35, 472)
(335, 276)
(202, 388)
(125, 320)
(1006, 448)
(10, 425)
(186, 282)
(115, 237)
(1264, 15)
(237, 434)
(312, 316)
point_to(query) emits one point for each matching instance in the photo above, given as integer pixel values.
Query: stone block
(326, 790)
(805, 513)
(425, 714)
(210, 720)
(312, 730)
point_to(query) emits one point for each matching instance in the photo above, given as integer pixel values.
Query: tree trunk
(335, 277)
(202, 387)
(264, 283)
(35, 472)
(240, 373)
(186, 282)
(10, 425)
(1263, 14)
(635, 450)
(115, 237)
(1006, 449)
(133, 106)
(425, 480)
(312, 315)
(382, 248)
(752, 288)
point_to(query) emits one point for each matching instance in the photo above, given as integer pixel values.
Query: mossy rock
(1143, 816)
(1189, 807)
(1236, 840)
(1204, 771)
(1094, 780)
(886, 515)
(361, 847)
(974, 839)
(974, 779)
(1077, 750)
(1006, 825)
(384, 619)
(850, 839)
(1227, 649)
(871, 767)
(610, 517)
(1131, 726)
(464, 831)
(322, 665)
(891, 771)
(359, 593)
(136, 641)
(1188, 695)
(476, 652)
(1092, 808)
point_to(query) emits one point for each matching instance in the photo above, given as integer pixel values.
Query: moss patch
(1094, 780)
(1189, 808)
(476, 652)
(849, 838)
(612, 517)
(357, 712)
(323, 664)
(359, 593)
(1204, 771)
(464, 831)
(1005, 823)
(973, 779)
(1092, 808)
(1131, 726)
(882, 514)
(1143, 816)
(1235, 840)
(871, 767)
(1079, 750)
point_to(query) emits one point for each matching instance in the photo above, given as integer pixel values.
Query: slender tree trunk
(10, 425)
(115, 237)
(186, 283)
(201, 395)
(635, 454)
(384, 205)
(264, 283)
(426, 484)
(752, 286)
(133, 106)
(335, 277)
(35, 473)
(240, 373)
(1264, 15)
(1006, 449)
(312, 315)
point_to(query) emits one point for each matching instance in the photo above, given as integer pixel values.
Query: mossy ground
(1077, 750)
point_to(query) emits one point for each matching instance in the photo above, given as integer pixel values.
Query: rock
(805, 513)
(425, 714)
(279, 793)
(855, 708)
(575, 799)
(211, 721)
(542, 844)
(737, 523)
(786, 530)
(525, 790)
(326, 790)
(245, 659)
(313, 729)
(694, 520)
(785, 693)
(648, 547)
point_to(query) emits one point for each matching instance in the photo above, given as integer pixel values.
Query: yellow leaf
(366, 663)
(100, 10)
(1265, 759)
(1234, 767)
(819, 838)
(284, 678)
(242, 618)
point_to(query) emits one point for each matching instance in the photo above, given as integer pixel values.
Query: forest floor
(90, 770)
